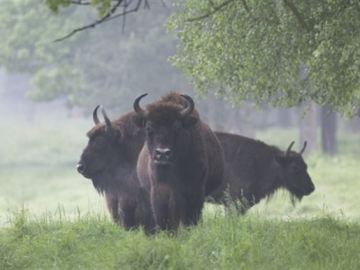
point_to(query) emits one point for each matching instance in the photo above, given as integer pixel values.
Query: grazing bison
(254, 170)
(180, 162)
(110, 162)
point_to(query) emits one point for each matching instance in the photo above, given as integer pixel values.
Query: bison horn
(95, 117)
(137, 107)
(289, 148)
(188, 109)
(107, 120)
(304, 147)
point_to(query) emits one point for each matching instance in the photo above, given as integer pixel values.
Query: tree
(278, 51)
(107, 10)
(28, 47)
(328, 131)
(105, 66)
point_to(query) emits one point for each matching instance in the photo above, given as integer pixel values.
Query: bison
(110, 162)
(255, 170)
(180, 162)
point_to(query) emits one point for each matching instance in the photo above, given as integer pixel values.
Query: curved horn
(189, 108)
(107, 120)
(95, 117)
(303, 149)
(137, 107)
(289, 148)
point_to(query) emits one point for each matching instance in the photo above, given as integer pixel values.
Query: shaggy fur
(255, 170)
(178, 188)
(109, 160)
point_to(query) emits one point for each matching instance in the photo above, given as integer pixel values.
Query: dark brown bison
(180, 162)
(254, 170)
(110, 162)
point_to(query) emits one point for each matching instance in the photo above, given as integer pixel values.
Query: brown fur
(109, 160)
(178, 189)
(255, 170)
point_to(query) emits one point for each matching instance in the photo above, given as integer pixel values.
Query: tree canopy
(103, 66)
(278, 51)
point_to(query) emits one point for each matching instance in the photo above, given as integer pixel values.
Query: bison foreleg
(112, 204)
(165, 208)
(193, 211)
(127, 213)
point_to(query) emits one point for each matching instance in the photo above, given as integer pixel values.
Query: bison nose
(312, 188)
(80, 167)
(163, 154)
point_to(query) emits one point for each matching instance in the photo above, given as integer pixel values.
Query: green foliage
(30, 28)
(54, 5)
(271, 51)
(102, 6)
(105, 65)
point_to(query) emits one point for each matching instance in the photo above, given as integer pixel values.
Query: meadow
(52, 218)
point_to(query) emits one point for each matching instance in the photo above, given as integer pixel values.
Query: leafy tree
(277, 51)
(29, 28)
(109, 65)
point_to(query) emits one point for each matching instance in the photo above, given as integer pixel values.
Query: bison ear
(189, 121)
(281, 160)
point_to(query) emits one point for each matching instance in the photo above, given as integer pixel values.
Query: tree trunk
(328, 131)
(308, 124)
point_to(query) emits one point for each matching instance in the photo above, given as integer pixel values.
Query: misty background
(49, 89)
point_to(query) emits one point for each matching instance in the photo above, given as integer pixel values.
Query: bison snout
(163, 155)
(80, 167)
(312, 188)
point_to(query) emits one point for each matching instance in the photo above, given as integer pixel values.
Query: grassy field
(219, 242)
(52, 218)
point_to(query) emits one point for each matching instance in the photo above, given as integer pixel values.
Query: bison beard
(110, 162)
(175, 163)
(255, 170)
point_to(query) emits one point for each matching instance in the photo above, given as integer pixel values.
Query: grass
(219, 242)
(52, 218)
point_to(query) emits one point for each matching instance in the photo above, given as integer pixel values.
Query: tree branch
(214, 10)
(110, 15)
(80, 2)
(297, 14)
(136, 8)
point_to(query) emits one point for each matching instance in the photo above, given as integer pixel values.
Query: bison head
(167, 126)
(295, 176)
(98, 155)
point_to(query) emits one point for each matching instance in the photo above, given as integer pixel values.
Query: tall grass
(219, 242)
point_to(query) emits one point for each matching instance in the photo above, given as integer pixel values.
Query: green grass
(52, 218)
(37, 167)
(219, 242)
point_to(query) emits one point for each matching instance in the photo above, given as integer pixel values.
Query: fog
(47, 96)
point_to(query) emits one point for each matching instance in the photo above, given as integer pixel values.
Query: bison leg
(112, 204)
(144, 215)
(165, 208)
(127, 213)
(193, 211)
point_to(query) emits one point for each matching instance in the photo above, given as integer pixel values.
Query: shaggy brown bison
(181, 158)
(254, 170)
(110, 162)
